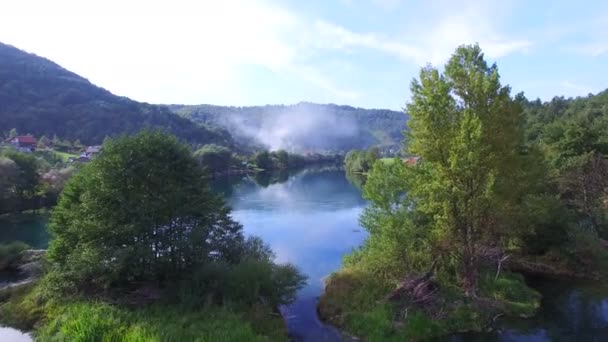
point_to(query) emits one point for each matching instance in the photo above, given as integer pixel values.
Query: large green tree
(141, 211)
(28, 178)
(214, 158)
(468, 131)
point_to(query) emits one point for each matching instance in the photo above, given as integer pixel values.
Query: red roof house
(24, 143)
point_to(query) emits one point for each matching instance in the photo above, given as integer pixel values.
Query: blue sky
(362, 53)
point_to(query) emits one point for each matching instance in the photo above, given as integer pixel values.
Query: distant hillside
(304, 126)
(38, 96)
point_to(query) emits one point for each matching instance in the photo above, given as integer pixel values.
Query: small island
(492, 196)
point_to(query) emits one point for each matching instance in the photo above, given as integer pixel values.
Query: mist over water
(297, 129)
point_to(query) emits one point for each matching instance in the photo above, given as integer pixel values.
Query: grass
(355, 301)
(90, 321)
(79, 320)
(36, 307)
(64, 155)
(19, 307)
(387, 160)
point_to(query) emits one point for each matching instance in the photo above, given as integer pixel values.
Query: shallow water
(13, 335)
(26, 227)
(570, 311)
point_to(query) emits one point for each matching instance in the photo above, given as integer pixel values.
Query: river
(311, 220)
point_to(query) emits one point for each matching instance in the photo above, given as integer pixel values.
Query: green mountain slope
(38, 96)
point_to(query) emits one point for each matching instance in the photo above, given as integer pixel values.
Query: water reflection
(570, 311)
(310, 220)
(27, 227)
(13, 335)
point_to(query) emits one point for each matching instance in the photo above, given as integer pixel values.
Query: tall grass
(90, 321)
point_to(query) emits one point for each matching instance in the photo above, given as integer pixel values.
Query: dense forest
(39, 97)
(304, 126)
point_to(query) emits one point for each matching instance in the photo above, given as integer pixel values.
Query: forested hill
(304, 126)
(582, 117)
(38, 96)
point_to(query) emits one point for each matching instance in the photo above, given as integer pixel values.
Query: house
(411, 160)
(24, 143)
(92, 151)
(81, 159)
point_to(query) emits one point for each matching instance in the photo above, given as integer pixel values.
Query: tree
(141, 211)
(262, 160)
(214, 158)
(584, 186)
(12, 133)
(358, 161)
(44, 142)
(28, 177)
(282, 158)
(9, 173)
(467, 130)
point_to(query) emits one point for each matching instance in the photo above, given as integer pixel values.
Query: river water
(311, 219)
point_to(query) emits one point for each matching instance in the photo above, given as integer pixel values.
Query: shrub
(10, 253)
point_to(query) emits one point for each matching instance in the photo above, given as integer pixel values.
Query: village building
(411, 160)
(23, 143)
(92, 151)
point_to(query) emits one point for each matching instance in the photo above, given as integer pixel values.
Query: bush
(253, 280)
(10, 253)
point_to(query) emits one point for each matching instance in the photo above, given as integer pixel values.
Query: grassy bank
(357, 302)
(79, 320)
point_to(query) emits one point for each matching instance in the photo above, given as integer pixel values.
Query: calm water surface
(311, 219)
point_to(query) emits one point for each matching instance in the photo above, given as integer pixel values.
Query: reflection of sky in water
(311, 221)
(314, 242)
(13, 335)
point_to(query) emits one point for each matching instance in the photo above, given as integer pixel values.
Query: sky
(358, 52)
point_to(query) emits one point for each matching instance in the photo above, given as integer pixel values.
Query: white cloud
(193, 45)
(158, 51)
(430, 39)
(578, 89)
(191, 51)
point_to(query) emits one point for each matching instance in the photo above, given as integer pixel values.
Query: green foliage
(511, 290)
(357, 161)
(28, 178)
(142, 210)
(9, 175)
(476, 185)
(262, 160)
(10, 253)
(20, 308)
(214, 158)
(573, 136)
(89, 321)
(245, 283)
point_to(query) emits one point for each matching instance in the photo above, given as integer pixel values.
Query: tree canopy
(142, 210)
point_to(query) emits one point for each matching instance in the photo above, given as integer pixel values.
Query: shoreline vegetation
(173, 266)
(34, 181)
(501, 190)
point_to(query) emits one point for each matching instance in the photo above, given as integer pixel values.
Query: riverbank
(428, 305)
(96, 320)
(420, 308)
